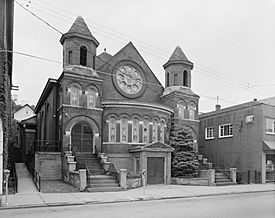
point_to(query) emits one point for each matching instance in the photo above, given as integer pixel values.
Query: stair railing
(113, 171)
(88, 175)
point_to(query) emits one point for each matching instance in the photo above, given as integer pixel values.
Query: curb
(64, 204)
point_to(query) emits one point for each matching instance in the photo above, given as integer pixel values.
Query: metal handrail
(113, 171)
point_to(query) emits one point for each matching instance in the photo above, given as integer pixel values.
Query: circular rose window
(129, 80)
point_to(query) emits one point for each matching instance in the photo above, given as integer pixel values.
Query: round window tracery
(129, 79)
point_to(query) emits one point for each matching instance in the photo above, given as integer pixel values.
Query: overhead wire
(61, 33)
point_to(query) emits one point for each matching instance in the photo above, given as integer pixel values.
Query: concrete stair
(99, 180)
(221, 179)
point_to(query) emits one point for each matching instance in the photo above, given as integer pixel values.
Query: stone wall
(189, 181)
(48, 165)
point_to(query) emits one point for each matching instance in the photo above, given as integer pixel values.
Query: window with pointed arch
(124, 130)
(92, 95)
(161, 131)
(192, 111)
(112, 129)
(185, 78)
(83, 56)
(74, 95)
(155, 131)
(146, 131)
(181, 110)
(135, 130)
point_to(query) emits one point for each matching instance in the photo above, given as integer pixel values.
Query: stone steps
(99, 181)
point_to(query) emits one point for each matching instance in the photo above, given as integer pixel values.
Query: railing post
(233, 174)
(211, 177)
(123, 179)
(82, 179)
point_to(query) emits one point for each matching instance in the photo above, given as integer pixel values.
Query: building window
(146, 131)
(137, 170)
(185, 78)
(124, 130)
(225, 130)
(181, 109)
(93, 62)
(91, 98)
(192, 110)
(155, 131)
(161, 132)
(135, 130)
(70, 57)
(270, 126)
(176, 82)
(167, 79)
(112, 130)
(209, 133)
(83, 56)
(74, 95)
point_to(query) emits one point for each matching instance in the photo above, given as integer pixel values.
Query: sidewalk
(152, 192)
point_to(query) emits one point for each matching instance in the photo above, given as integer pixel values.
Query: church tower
(79, 45)
(178, 69)
(178, 93)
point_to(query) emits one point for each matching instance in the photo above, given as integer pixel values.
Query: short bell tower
(79, 45)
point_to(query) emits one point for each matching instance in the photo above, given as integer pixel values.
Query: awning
(269, 145)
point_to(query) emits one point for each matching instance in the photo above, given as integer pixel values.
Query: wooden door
(155, 170)
(82, 137)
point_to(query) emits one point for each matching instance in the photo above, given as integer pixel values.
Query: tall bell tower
(79, 45)
(178, 94)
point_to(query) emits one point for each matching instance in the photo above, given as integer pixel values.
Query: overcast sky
(230, 42)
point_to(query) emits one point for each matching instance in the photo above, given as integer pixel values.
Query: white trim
(137, 105)
(205, 132)
(226, 136)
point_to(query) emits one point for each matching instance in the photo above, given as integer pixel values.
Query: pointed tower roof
(178, 57)
(79, 29)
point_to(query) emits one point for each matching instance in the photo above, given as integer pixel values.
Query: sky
(230, 42)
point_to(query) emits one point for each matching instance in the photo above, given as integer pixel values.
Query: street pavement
(151, 192)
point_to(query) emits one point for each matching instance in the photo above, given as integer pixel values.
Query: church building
(114, 104)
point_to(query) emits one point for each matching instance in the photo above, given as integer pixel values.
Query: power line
(74, 42)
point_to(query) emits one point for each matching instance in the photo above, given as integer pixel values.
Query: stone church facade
(114, 104)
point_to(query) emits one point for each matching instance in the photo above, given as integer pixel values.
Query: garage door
(155, 170)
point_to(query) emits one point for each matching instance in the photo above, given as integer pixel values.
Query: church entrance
(82, 137)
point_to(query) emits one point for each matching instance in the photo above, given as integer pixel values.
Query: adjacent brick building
(243, 137)
(115, 104)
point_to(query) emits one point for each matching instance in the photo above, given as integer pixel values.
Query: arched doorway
(82, 137)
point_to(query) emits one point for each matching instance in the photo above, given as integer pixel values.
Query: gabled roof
(30, 120)
(178, 57)
(79, 29)
(26, 105)
(131, 46)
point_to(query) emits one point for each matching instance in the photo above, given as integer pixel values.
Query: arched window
(167, 79)
(91, 98)
(185, 78)
(82, 137)
(155, 131)
(135, 130)
(83, 56)
(192, 110)
(161, 131)
(74, 95)
(124, 130)
(181, 109)
(112, 130)
(145, 131)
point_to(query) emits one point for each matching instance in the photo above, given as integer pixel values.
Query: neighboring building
(23, 113)
(6, 44)
(242, 136)
(27, 131)
(116, 105)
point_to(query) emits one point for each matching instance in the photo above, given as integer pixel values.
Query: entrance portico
(155, 158)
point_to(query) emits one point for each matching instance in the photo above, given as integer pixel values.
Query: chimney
(218, 107)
